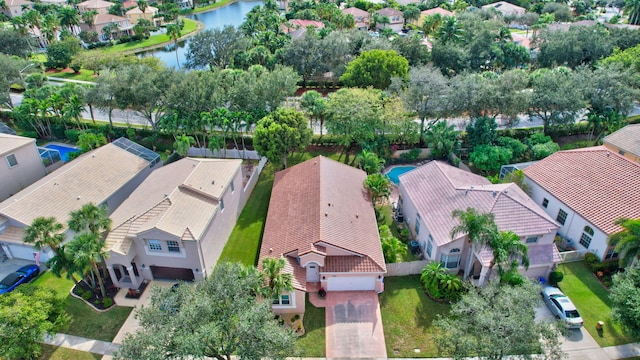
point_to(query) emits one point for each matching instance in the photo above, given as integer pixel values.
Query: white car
(561, 307)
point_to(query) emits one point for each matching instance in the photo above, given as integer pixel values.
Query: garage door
(351, 283)
(21, 252)
(169, 273)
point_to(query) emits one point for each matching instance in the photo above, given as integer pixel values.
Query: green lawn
(83, 75)
(313, 342)
(211, 7)
(592, 301)
(85, 321)
(189, 27)
(50, 352)
(407, 316)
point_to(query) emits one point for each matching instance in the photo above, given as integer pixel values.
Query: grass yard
(83, 75)
(407, 316)
(385, 217)
(189, 27)
(85, 321)
(211, 6)
(50, 352)
(313, 342)
(592, 300)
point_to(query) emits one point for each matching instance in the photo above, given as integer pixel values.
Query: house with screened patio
(586, 191)
(430, 193)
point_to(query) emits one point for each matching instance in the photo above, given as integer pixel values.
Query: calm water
(64, 150)
(232, 14)
(396, 171)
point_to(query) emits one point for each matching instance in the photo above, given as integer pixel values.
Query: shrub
(72, 135)
(411, 155)
(555, 277)
(107, 302)
(512, 277)
(87, 294)
(591, 261)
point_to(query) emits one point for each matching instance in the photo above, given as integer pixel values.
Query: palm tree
(89, 17)
(442, 139)
(69, 17)
(50, 26)
(508, 249)
(44, 231)
(370, 162)
(142, 5)
(431, 23)
(88, 250)
(450, 31)
(183, 144)
(63, 263)
(431, 276)
(175, 31)
(275, 281)
(90, 218)
(73, 110)
(627, 241)
(379, 187)
(479, 227)
(632, 8)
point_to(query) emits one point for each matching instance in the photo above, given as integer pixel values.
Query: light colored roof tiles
(626, 139)
(389, 12)
(9, 143)
(179, 199)
(321, 200)
(13, 234)
(107, 19)
(595, 182)
(437, 189)
(148, 10)
(95, 4)
(437, 10)
(355, 12)
(92, 177)
(504, 7)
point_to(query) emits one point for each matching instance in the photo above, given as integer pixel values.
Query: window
(562, 216)
(221, 205)
(545, 202)
(154, 245)
(451, 260)
(429, 247)
(532, 240)
(233, 188)
(621, 152)
(611, 253)
(587, 234)
(11, 160)
(284, 299)
(417, 226)
(173, 246)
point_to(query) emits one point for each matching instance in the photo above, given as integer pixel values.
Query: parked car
(19, 277)
(562, 307)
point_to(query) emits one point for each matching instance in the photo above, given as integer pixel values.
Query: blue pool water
(395, 173)
(64, 150)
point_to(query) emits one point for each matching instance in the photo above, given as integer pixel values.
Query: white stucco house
(322, 221)
(430, 193)
(176, 223)
(586, 191)
(20, 166)
(104, 177)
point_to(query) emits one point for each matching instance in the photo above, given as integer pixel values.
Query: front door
(313, 272)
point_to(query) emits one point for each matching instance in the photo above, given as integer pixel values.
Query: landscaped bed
(85, 321)
(592, 300)
(408, 316)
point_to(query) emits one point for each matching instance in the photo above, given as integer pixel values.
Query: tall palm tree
(44, 231)
(63, 263)
(275, 281)
(73, 109)
(632, 9)
(450, 31)
(69, 17)
(183, 144)
(431, 23)
(379, 187)
(90, 218)
(50, 26)
(370, 162)
(479, 227)
(627, 241)
(89, 17)
(174, 31)
(508, 249)
(142, 5)
(431, 276)
(88, 250)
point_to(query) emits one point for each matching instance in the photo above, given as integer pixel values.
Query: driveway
(10, 265)
(354, 325)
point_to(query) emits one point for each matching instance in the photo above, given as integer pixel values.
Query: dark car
(19, 277)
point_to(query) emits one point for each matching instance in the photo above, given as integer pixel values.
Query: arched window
(452, 259)
(587, 235)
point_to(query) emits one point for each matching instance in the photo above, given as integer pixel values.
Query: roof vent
(506, 191)
(326, 214)
(213, 182)
(78, 198)
(466, 191)
(495, 193)
(270, 250)
(357, 215)
(165, 194)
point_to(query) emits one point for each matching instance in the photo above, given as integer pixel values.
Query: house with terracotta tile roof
(506, 9)
(625, 142)
(586, 191)
(430, 193)
(104, 177)
(176, 223)
(20, 164)
(100, 6)
(296, 28)
(100, 21)
(435, 11)
(360, 16)
(396, 19)
(135, 14)
(322, 221)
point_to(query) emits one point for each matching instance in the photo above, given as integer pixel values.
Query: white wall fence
(224, 154)
(406, 268)
(572, 256)
(253, 180)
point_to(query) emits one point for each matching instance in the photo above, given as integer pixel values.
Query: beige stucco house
(586, 191)
(100, 6)
(101, 20)
(134, 15)
(505, 8)
(625, 142)
(431, 12)
(20, 166)
(360, 16)
(322, 221)
(16, 7)
(105, 176)
(429, 194)
(176, 223)
(396, 20)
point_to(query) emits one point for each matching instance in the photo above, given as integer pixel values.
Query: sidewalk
(82, 344)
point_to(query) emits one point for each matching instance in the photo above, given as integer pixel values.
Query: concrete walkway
(82, 344)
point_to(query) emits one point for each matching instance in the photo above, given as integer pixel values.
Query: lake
(232, 14)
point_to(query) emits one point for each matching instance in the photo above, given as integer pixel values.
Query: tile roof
(318, 202)
(179, 199)
(149, 10)
(626, 139)
(355, 12)
(436, 189)
(9, 143)
(107, 19)
(505, 7)
(95, 4)
(538, 254)
(595, 182)
(11, 3)
(389, 12)
(92, 177)
(437, 10)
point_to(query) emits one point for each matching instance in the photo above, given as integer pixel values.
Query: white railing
(572, 256)
(406, 268)
(225, 153)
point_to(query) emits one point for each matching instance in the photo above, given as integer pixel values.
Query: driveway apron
(354, 325)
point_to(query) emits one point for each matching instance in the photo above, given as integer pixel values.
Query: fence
(225, 153)
(253, 180)
(406, 268)
(572, 256)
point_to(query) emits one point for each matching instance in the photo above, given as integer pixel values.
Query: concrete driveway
(354, 325)
(10, 265)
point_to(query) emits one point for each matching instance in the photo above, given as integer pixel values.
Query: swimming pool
(396, 171)
(63, 150)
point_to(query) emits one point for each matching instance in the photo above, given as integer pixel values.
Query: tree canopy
(375, 68)
(280, 133)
